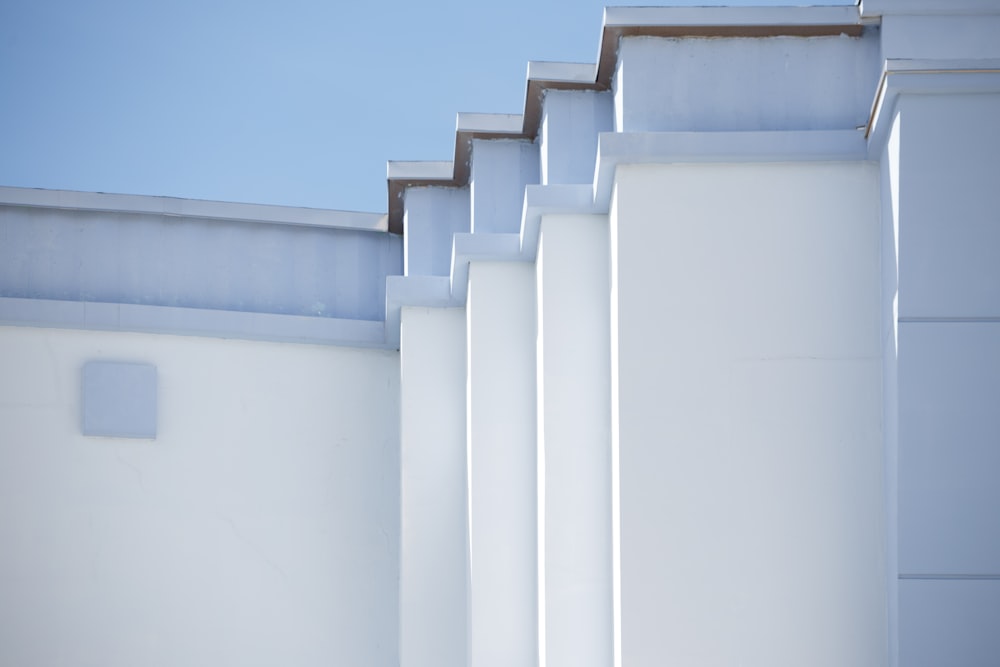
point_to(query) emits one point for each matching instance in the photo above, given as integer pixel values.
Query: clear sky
(294, 102)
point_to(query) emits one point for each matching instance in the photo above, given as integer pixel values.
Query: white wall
(889, 334)
(500, 170)
(431, 216)
(434, 541)
(574, 442)
(191, 262)
(748, 414)
(937, 35)
(260, 527)
(773, 83)
(949, 376)
(567, 136)
(500, 348)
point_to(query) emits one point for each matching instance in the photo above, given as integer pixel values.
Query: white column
(948, 375)
(500, 315)
(749, 410)
(574, 442)
(432, 587)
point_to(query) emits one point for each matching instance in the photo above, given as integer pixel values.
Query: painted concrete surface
(782, 83)
(500, 170)
(934, 35)
(432, 216)
(147, 259)
(889, 248)
(749, 414)
(259, 528)
(615, 148)
(949, 431)
(503, 544)
(574, 442)
(949, 622)
(230, 324)
(949, 241)
(434, 541)
(571, 122)
(746, 384)
(943, 201)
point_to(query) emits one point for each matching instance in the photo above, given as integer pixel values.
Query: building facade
(695, 361)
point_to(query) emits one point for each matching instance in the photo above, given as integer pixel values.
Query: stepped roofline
(618, 22)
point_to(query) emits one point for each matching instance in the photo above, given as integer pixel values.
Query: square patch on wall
(119, 399)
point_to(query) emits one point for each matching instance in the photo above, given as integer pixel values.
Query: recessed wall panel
(949, 622)
(949, 448)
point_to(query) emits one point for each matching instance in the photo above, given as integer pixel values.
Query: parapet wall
(204, 268)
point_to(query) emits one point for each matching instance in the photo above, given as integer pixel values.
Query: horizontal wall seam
(985, 319)
(950, 577)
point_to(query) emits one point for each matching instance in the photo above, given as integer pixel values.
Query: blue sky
(297, 102)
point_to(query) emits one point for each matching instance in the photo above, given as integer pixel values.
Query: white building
(695, 362)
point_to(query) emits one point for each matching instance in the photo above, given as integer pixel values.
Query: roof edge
(192, 208)
(618, 22)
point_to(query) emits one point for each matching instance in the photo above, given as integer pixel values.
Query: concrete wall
(574, 441)
(259, 527)
(567, 136)
(747, 414)
(948, 360)
(434, 536)
(744, 416)
(190, 262)
(431, 217)
(500, 170)
(782, 83)
(501, 456)
(889, 333)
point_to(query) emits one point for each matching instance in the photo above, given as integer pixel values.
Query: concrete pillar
(889, 332)
(747, 395)
(574, 442)
(503, 543)
(945, 203)
(433, 551)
